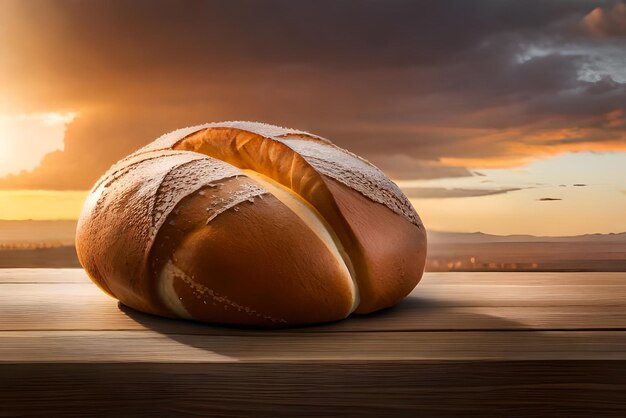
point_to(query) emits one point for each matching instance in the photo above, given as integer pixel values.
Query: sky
(497, 116)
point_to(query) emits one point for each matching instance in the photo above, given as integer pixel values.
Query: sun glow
(41, 204)
(26, 138)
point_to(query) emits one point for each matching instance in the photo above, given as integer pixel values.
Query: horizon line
(427, 230)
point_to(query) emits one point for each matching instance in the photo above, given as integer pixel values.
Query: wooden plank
(431, 291)
(74, 275)
(527, 278)
(505, 294)
(35, 275)
(466, 344)
(328, 389)
(99, 312)
(82, 306)
(277, 347)
(415, 317)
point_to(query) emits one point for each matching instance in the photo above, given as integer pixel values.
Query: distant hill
(62, 232)
(450, 251)
(438, 237)
(51, 244)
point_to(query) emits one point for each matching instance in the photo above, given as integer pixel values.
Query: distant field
(37, 233)
(51, 244)
(56, 257)
(442, 257)
(527, 256)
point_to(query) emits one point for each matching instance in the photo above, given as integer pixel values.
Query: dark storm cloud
(330, 33)
(549, 199)
(409, 85)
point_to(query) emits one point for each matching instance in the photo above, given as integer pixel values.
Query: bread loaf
(250, 224)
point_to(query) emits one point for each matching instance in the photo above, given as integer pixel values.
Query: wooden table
(483, 344)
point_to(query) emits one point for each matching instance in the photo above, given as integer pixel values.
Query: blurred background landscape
(500, 116)
(51, 244)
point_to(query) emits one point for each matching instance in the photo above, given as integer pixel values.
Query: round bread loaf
(250, 224)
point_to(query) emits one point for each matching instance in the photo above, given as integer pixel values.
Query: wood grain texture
(462, 344)
(328, 389)
(443, 301)
(277, 347)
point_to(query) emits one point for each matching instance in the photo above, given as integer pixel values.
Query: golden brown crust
(387, 250)
(391, 253)
(178, 229)
(255, 264)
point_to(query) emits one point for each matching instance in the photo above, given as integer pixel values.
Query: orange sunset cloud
(490, 87)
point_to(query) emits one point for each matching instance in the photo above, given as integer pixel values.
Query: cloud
(601, 23)
(574, 185)
(440, 192)
(549, 199)
(423, 90)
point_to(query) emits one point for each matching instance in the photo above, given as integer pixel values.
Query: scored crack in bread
(251, 224)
